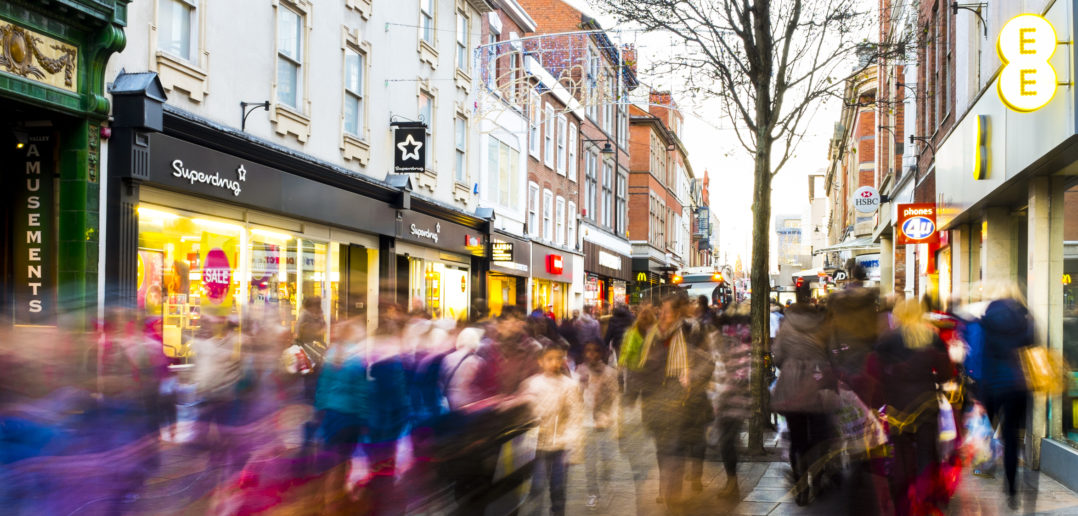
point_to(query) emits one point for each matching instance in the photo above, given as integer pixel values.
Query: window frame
(559, 220)
(534, 135)
(360, 96)
(608, 194)
(548, 135)
(460, 144)
(430, 143)
(548, 215)
(570, 224)
(194, 42)
(461, 55)
(532, 221)
(574, 144)
(621, 196)
(297, 61)
(428, 34)
(562, 136)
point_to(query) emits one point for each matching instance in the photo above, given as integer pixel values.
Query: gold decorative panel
(38, 57)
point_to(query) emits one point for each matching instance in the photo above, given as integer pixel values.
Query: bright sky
(713, 146)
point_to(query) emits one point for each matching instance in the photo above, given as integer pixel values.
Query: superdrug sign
(410, 147)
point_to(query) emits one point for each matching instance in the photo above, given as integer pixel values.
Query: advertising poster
(150, 279)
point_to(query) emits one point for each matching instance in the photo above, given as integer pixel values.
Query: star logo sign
(242, 173)
(409, 142)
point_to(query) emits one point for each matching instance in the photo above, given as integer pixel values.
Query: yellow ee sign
(1027, 81)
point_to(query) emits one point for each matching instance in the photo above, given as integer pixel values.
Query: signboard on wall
(409, 148)
(501, 251)
(1027, 81)
(916, 224)
(34, 233)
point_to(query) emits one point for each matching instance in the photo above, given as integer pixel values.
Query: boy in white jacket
(556, 403)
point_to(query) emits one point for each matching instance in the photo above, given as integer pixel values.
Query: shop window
(440, 289)
(1070, 309)
(550, 295)
(196, 272)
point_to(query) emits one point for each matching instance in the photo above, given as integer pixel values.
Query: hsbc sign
(866, 200)
(917, 224)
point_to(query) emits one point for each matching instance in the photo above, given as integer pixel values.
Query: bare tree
(770, 64)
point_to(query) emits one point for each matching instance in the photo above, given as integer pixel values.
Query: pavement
(185, 483)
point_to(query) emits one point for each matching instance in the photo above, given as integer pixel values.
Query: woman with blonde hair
(908, 363)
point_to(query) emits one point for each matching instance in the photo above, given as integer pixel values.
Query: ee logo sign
(1025, 45)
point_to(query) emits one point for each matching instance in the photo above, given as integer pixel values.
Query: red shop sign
(916, 224)
(554, 263)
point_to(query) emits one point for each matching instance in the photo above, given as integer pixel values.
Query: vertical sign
(35, 261)
(916, 224)
(409, 154)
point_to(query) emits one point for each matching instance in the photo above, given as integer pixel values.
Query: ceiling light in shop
(153, 215)
(271, 234)
(217, 225)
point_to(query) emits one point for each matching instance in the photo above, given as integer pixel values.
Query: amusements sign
(917, 224)
(34, 234)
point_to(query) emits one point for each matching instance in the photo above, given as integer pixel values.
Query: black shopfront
(204, 221)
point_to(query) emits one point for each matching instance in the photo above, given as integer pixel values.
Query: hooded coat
(1007, 328)
(620, 321)
(806, 382)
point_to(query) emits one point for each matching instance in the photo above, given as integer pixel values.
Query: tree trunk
(761, 290)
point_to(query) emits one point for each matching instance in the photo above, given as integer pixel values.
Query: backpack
(972, 333)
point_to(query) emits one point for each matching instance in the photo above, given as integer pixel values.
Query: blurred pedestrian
(1007, 328)
(699, 412)
(556, 402)
(805, 392)
(734, 343)
(620, 321)
(664, 383)
(908, 364)
(599, 386)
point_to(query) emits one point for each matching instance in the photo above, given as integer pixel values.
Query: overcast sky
(713, 146)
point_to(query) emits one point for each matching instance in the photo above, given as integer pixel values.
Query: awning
(856, 244)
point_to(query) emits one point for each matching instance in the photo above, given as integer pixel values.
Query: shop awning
(856, 244)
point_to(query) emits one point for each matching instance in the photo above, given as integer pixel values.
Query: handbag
(1043, 369)
(948, 431)
(862, 431)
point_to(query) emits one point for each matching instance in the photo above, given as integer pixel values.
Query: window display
(1070, 310)
(191, 268)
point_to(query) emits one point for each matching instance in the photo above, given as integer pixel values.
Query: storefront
(1008, 207)
(510, 267)
(211, 240)
(552, 278)
(607, 276)
(209, 225)
(436, 257)
(52, 107)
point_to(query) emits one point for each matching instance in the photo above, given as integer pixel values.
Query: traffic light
(799, 282)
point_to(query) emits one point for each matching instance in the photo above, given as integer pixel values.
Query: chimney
(628, 55)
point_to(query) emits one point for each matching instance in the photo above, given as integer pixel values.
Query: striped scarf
(677, 357)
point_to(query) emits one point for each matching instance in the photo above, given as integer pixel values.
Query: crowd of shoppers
(334, 417)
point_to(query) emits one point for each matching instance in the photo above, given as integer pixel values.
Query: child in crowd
(556, 403)
(599, 386)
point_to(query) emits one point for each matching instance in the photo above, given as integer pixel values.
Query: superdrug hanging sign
(409, 147)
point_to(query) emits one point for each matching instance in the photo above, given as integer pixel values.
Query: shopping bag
(977, 439)
(948, 432)
(860, 428)
(1043, 369)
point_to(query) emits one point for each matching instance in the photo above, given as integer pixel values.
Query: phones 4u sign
(917, 224)
(409, 147)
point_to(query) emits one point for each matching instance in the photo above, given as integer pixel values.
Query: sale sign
(916, 224)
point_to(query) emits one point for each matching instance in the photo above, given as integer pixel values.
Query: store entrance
(353, 295)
